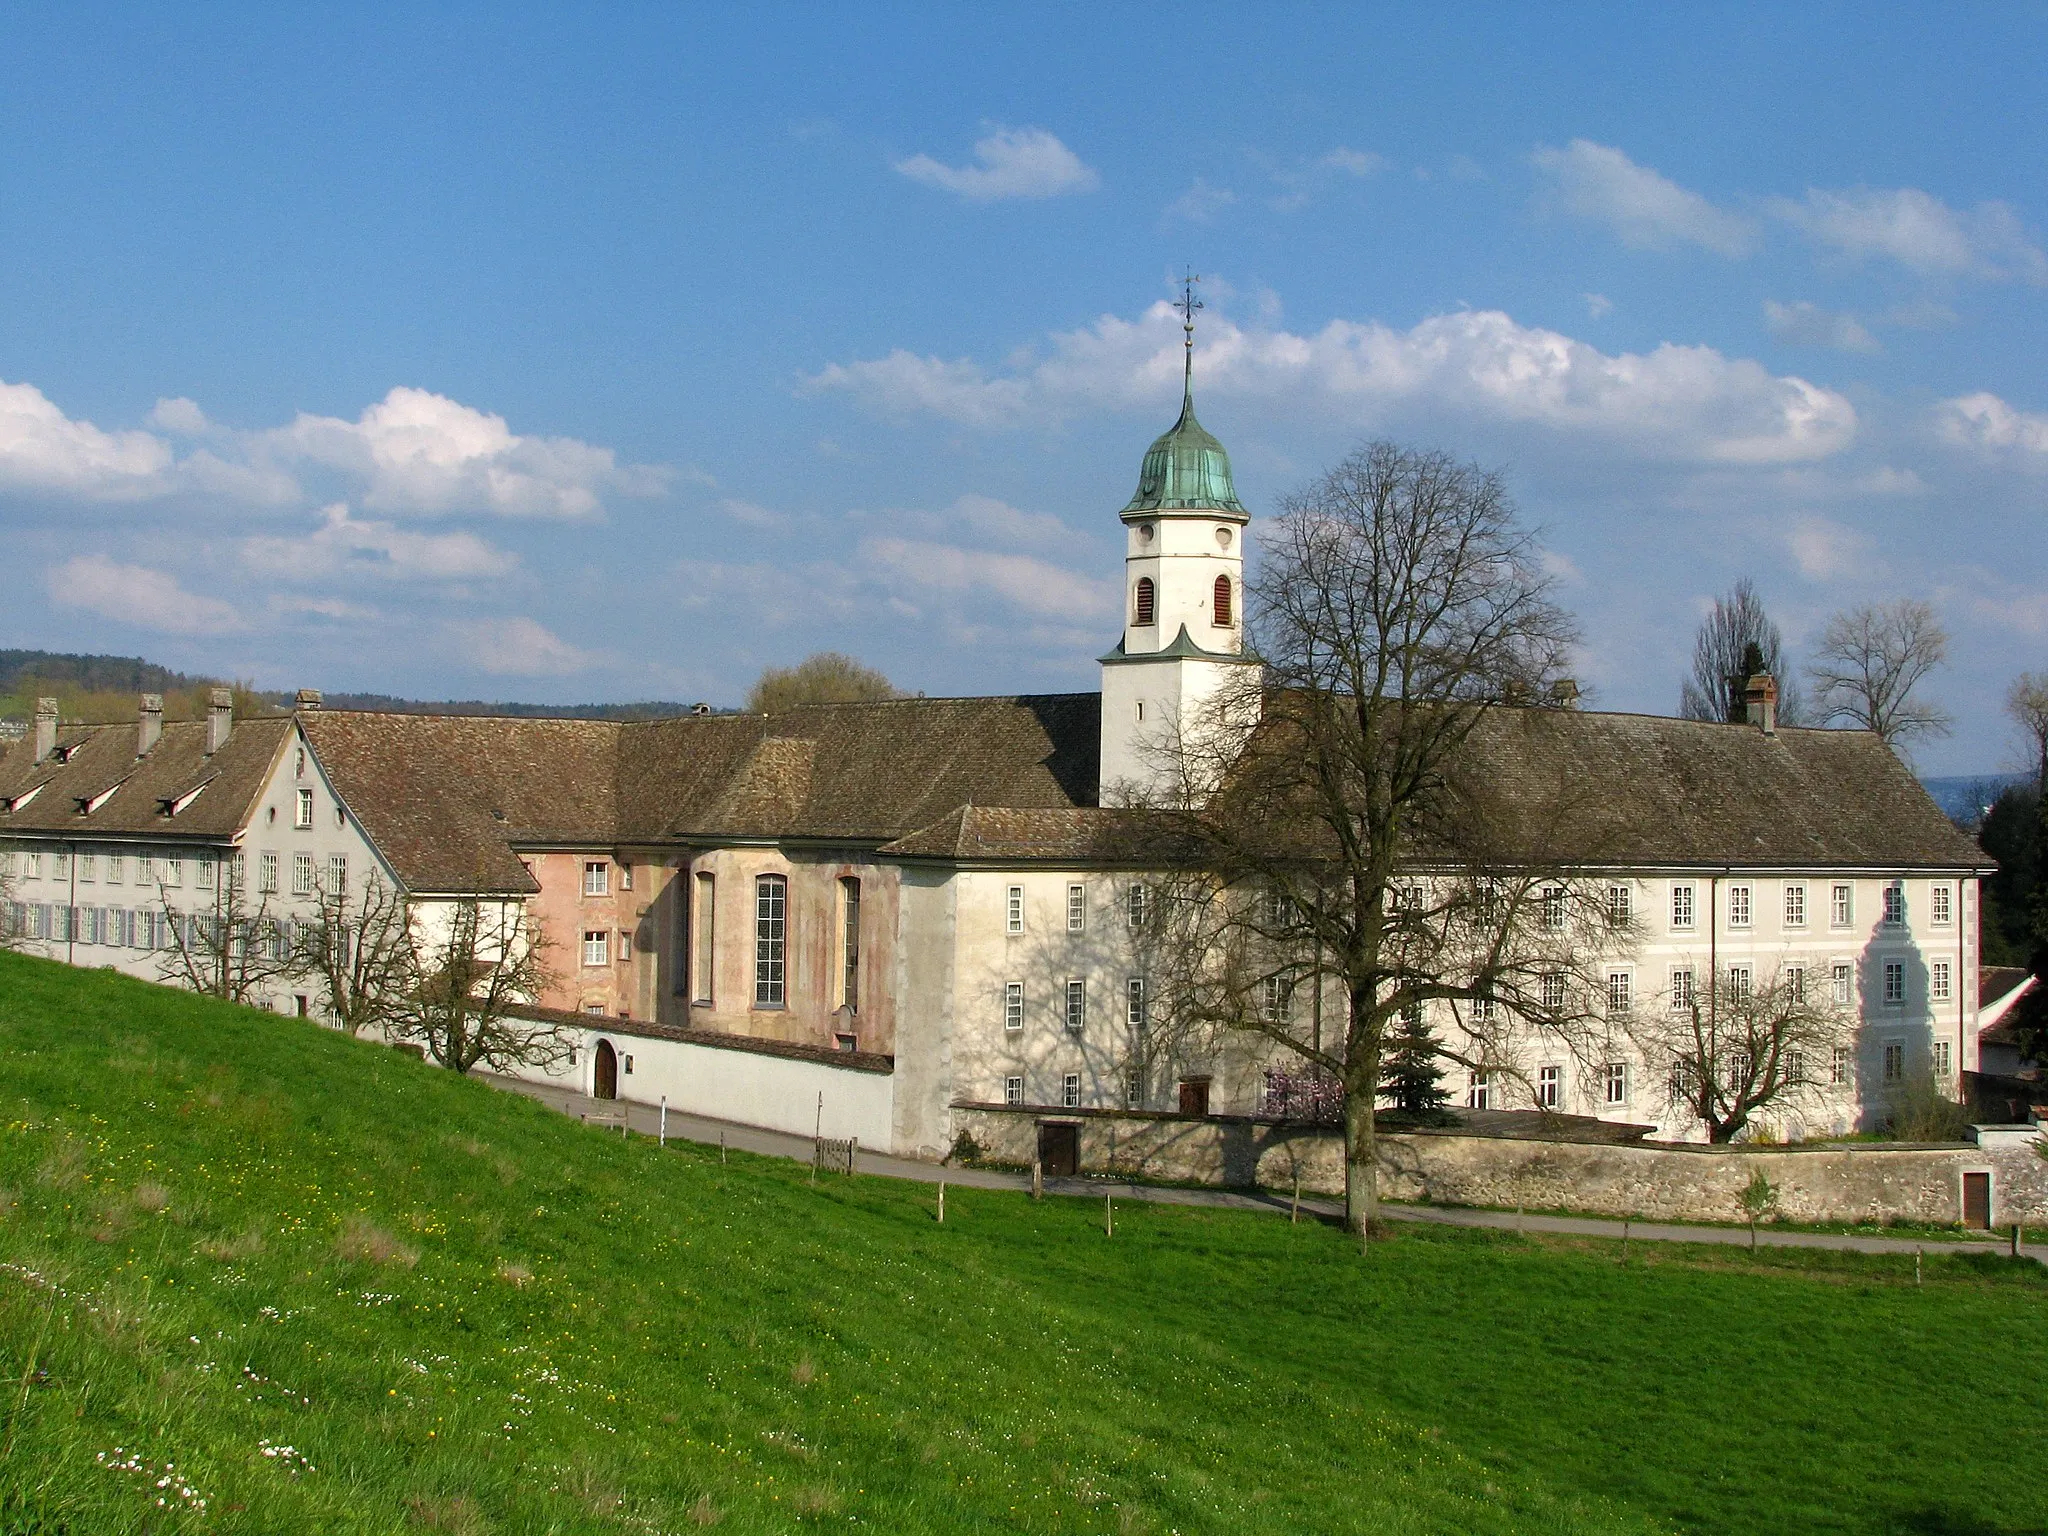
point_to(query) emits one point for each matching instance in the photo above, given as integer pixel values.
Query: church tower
(1183, 638)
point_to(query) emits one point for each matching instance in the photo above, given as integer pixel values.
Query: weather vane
(1187, 306)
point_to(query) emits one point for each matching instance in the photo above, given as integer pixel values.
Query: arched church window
(1142, 605)
(1222, 602)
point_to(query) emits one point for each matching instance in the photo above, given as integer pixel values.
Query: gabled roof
(1000, 835)
(91, 760)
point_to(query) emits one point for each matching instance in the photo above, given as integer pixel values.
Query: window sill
(770, 1008)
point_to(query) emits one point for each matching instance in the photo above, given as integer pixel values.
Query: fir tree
(1410, 1076)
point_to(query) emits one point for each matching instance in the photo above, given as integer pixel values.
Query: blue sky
(618, 352)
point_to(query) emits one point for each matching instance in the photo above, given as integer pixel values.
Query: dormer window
(1223, 602)
(1141, 606)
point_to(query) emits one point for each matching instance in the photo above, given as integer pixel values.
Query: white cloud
(420, 452)
(1357, 162)
(1201, 202)
(517, 647)
(343, 547)
(1825, 550)
(1807, 324)
(1032, 586)
(177, 414)
(1643, 208)
(1986, 423)
(1676, 402)
(42, 449)
(1918, 231)
(1013, 162)
(135, 594)
(1598, 305)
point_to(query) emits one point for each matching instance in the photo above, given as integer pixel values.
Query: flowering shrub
(1307, 1097)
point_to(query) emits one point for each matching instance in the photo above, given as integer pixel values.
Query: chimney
(306, 698)
(1760, 703)
(46, 728)
(150, 727)
(220, 719)
(1564, 693)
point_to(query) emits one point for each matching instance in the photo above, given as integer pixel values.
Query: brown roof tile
(92, 759)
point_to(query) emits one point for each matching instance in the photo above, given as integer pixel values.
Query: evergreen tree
(1411, 1077)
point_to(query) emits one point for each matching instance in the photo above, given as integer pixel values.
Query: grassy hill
(324, 1288)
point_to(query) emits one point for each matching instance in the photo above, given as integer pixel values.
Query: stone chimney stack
(306, 698)
(1564, 693)
(46, 728)
(1760, 703)
(150, 727)
(220, 719)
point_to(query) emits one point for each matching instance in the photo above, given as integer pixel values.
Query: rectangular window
(238, 872)
(1620, 906)
(172, 869)
(1795, 983)
(268, 868)
(1134, 1002)
(113, 869)
(202, 872)
(1553, 991)
(849, 943)
(1894, 982)
(596, 947)
(1479, 1091)
(703, 934)
(1894, 1060)
(1553, 909)
(1938, 981)
(1547, 1082)
(1682, 988)
(1077, 908)
(1614, 1083)
(86, 868)
(1941, 905)
(1135, 902)
(597, 878)
(1013, 909)
(1741, 981)
(1838, 1065)
(1077, 1006)
(302, 874)
(34, 870)
(1895, 903)
(771, 938)
(1275, 999)
(625, 944)
(1795, 906)
(60, 866)
(1738, 906)
(1013, 1090)
(1134, 1089)
(302, 811)
(1795, 1068)
(1013, 1005)
(1841, 905)
(337, 875)
(1483, 1008)
(1070, 1091)
(1620, 994)
(625, 877)
(1844, 979)
(1941, 1059)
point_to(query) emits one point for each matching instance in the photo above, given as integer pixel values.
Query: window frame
(1070, 1090)
(1223, 603)
(1135, 1002)
(1795, 904)
(596, 948)
(1842, 983)
(1684, 988)
(1013, 1090)
(1013, 1007)
(1941, 904)
(1144, 603)
(1549, 1086)
(1842, 904)
(849, 942)
(1137, 904)
(1742, 906)
(1940, 981)
(1614, 1085)
(703, 938)
(1074, 1006)
(771, 941)
(597, 877)
(1077, 907)
(1895, 984)
(1013, 909)
(302, 811)
(1894, 908)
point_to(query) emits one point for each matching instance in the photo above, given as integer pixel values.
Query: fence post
(1037, 1179)
(942, 1202)
(663, 1134)
(1108, 1217)
(852, 1152)
(721, 1146)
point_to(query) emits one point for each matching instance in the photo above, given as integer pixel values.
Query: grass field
(324, 1288)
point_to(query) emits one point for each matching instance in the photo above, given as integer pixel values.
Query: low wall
(1663, 1181)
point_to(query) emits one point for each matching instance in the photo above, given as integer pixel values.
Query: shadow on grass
(1961, 1522)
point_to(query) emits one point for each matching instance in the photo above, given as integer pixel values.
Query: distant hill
(650, 709)
(90, 674)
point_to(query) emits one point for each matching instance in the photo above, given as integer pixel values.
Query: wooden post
(1037, 1180)
(2016, 1240)
(942, 1202)
(1294, 1212)
(1108, 1217)
(852, 1152)
(663, 1134)
(1916, 1267)
(721, 1146)
(1624, 1239)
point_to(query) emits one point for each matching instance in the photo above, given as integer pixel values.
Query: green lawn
(227, 1233)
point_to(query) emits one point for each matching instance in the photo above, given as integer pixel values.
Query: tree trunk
(1361, 1166)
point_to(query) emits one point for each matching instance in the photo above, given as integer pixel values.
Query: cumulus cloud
(1645, 209)
(1987, 424)
(1919, 231)
(517, 647)
(1024, 582)
(1010, 162)
(135, 594)
(1598, 305)
(420, 452)
(1806, 324)
(1676, 402)
(42, 449)
(343, 546)
(1201, 202)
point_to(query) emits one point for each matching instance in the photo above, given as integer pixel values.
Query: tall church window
(771, 905)
(849, 942)
(1223, 603)
(1141, 606)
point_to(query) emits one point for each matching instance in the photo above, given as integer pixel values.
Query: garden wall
(1857, 1182)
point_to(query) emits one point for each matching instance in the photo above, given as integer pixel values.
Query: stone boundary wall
(1660, 1181)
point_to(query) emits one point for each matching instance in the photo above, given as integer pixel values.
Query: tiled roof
(91, 760)
(1994, 981)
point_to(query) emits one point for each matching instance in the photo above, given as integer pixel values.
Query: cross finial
(1187, 305)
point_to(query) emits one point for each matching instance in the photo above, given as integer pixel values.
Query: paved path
(646, 1118)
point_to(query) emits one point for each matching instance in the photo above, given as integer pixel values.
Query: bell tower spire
(1187, 304)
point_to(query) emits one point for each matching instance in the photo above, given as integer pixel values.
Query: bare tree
(13, 927)
(2026, 701)
(826, 678)
(1741, 1045)
(1870, 661)
(488, 958)
(1354, 844)
(1735, 642)
(361, 950)
(224, 947)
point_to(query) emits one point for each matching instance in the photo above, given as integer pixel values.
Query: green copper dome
(1185, 469)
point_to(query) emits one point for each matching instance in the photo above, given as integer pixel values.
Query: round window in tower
(1223, 538)
(1144, 533)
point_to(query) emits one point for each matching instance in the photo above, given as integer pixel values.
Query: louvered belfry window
(1141, 608)
(1223, 604)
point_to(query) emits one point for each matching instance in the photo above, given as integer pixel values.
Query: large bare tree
(829, 677)
(2026, 702)
(1870, 662)
(226, 944)
(1339, 837)
(471, 966)
(1740, 1045)
(361, 951)
(1736, 640)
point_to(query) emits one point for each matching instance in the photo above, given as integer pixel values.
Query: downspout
(1964, 889)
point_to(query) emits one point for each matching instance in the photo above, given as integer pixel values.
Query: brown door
(1977, 1201)
(605, 1074)
(1194, 1096)
(1059, 1149)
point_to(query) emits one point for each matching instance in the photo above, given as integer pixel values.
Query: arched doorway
(604, 1072)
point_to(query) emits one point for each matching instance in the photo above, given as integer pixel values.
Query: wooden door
(605, 1072)
(1059, 1149)
(1977, 1201)
(1194, 1096)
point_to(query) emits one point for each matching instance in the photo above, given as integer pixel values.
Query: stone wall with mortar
(1663, 1181)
